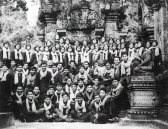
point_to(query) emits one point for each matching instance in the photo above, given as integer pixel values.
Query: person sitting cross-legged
(30, 109)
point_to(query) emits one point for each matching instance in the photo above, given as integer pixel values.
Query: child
(107, 54)
(37, 54)
(70, 54)
(27, 55)
(86, 56)
(125, 66)
(18, 99)
(50, 93)
(73, 92)
(46, 54)
(78, 110)
(84, 46)
(43, 79)
(19, 76)
(122, 50)
(64, 107)
(94, 107)
(131, 51)
(96, 85)
(63, 56)
(88, 95)
(78, 55)
(68, 85)
(67, 43)
(58, 92)
(17, 54)
(54, 55)
(54, 72)
(30, 79)
(36, 92)
(25, 69)
(81, 75)
(5, 56)
(104, 107)
(30, 109)
(41, 56)
(119, 99)
(49, 110)
(114, 52)
(81, 86)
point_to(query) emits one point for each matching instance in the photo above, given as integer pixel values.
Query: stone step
(6, 119)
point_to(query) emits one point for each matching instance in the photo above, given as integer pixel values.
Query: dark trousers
(82, 117)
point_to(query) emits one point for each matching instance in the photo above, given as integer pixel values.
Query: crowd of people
(67, 81)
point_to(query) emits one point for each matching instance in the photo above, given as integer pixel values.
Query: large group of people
(72, 81)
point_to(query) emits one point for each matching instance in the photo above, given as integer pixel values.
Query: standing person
(42, 48)
(54, 72)
(156, 56)
(63, 56)
(5, 56)
(54, 55)
(19, 77)
(86, 55)
(131, 51)
(70, 54)
(67, 44)
(78, 56)
(17, 54)
(122, 50)
(107, 54)
(46, 54)
(76, 44)
(13, 67)
(28, 55)
(36, 54)
(95, 55)
(43, 79)
(113, 52)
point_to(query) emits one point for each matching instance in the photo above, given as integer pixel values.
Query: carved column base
(144, 98)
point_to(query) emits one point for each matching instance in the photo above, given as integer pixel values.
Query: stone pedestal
(6, 119)
(145, 101)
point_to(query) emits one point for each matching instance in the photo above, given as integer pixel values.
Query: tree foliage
(13, 21)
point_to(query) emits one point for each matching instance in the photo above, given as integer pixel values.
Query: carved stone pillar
(145, 101)
(111, 19)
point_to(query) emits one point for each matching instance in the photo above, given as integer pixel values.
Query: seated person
(94, 107)
(49, 110)
(125, 65)
(78, 109)
(58, 92)
(51, 94)
(18, 98)
(109, 72)
(119, 99)
(36, 92)
(64, 107)
(68, 85)
(81, 75)
(73, 92)
(96, 85)
(104, 107)
(81, 86)
(30, 109)
(88, 95)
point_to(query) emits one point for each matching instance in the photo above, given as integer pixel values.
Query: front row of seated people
(82, 103)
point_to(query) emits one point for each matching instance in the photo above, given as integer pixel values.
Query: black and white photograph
(83, 64)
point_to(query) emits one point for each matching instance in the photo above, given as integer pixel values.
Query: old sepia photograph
(83, 64)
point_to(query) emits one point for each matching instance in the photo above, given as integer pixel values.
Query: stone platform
(6, 119)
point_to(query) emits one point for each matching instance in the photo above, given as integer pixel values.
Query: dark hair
(104, 89)
(27, 46)
(117, 57)
(65, 93)
(79, 95)
(17, 44)
(155, 42)
(33, 68)
(36, 47)
(29, 91)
